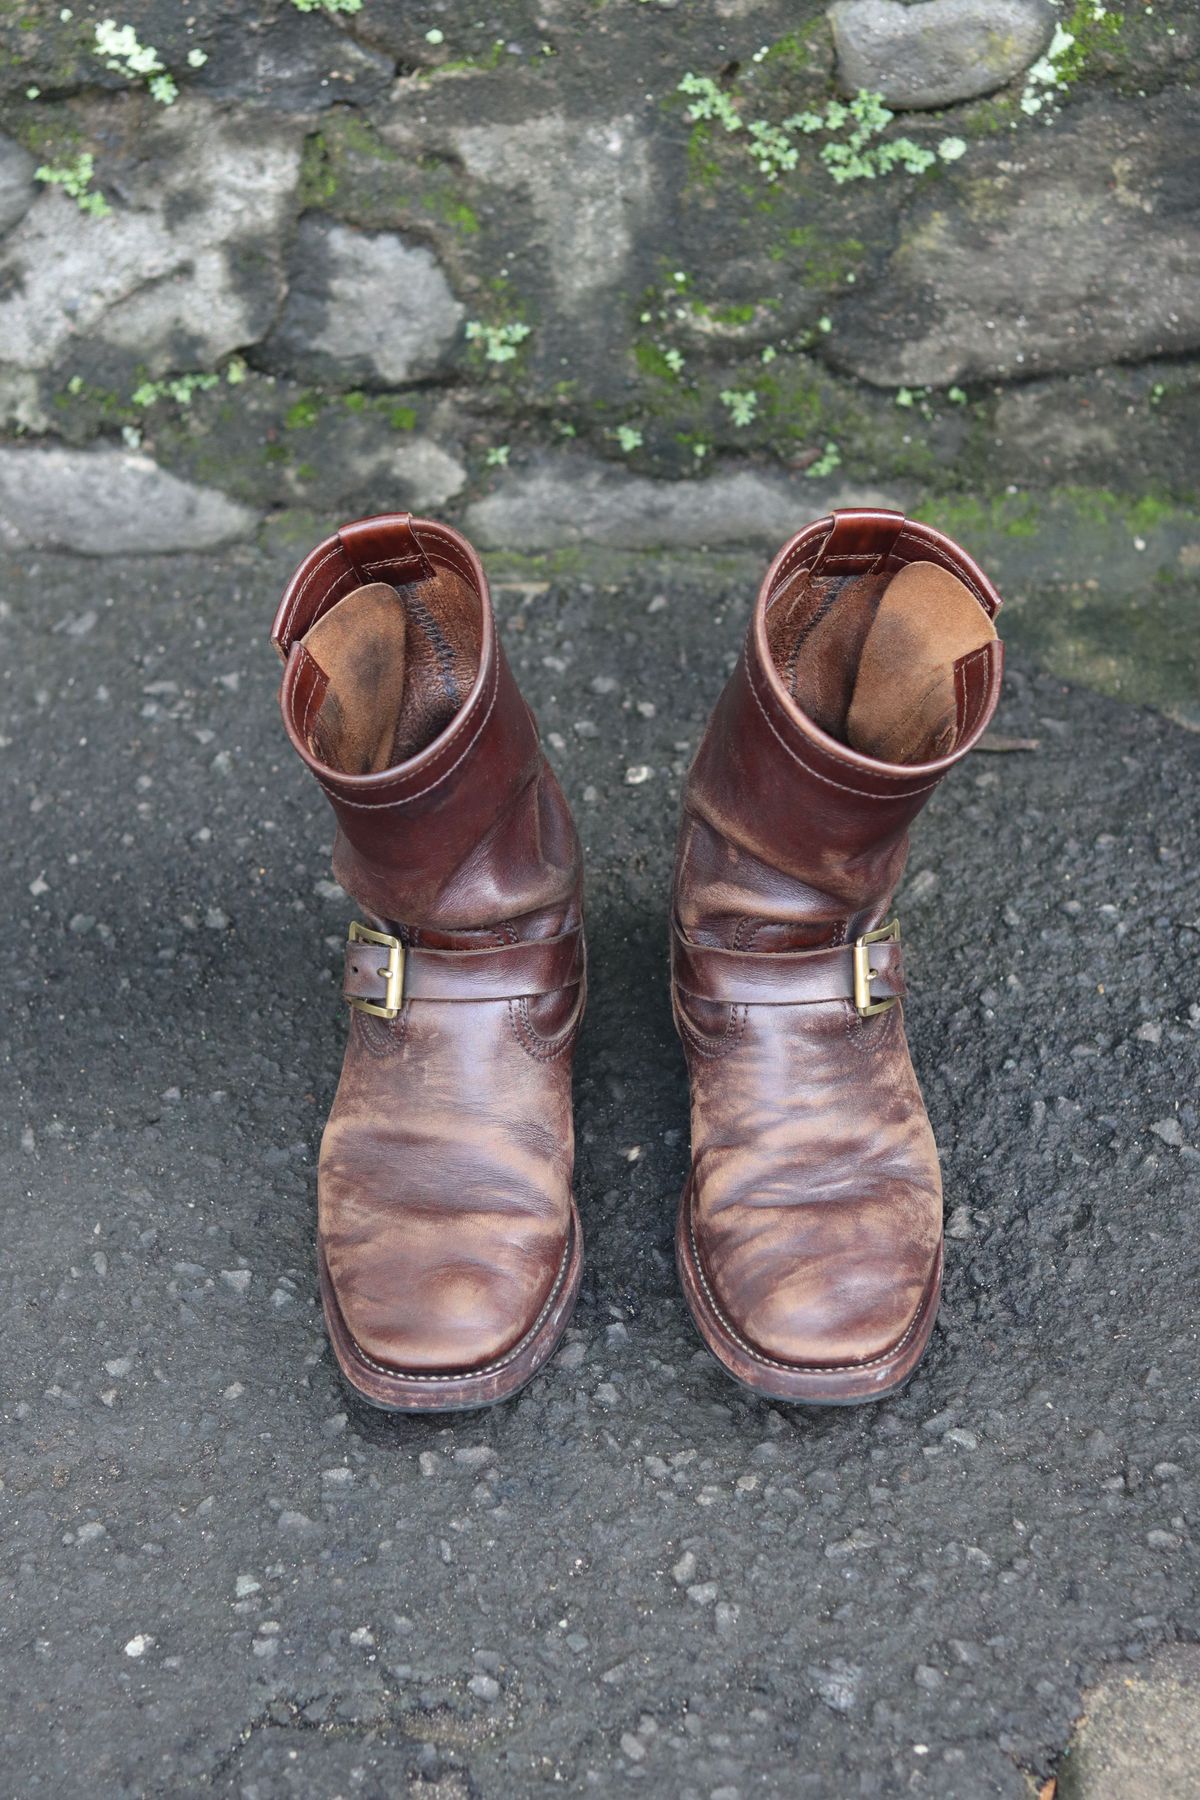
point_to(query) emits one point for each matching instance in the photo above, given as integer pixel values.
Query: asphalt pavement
(221, 1574)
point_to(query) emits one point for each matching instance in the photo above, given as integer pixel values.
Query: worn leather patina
(810, 1231)
(449, 1244)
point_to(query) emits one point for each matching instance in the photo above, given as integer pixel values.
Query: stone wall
(641, 271)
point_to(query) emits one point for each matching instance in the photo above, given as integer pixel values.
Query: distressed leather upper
(444, 1187)
(815, 1196)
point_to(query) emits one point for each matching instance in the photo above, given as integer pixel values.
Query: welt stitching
(488, 1368)
(770, 1361)
(407, 799)
(859, 793)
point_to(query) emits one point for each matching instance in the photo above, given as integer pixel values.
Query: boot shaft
(398, 696)
(870, 668)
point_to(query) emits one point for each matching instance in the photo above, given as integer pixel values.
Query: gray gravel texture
(222, 1575)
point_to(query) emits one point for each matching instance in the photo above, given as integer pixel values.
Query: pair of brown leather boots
(810, 1231)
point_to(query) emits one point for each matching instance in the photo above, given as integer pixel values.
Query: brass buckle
(392, 971)
(864, 1006)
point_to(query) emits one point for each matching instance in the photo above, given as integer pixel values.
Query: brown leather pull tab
(860, 539)
(381, 549)
(385, 549)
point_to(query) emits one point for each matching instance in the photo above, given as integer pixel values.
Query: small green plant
(829, 460)
(915, 397)
(674, 360)
(302, 414)
(1089, 25)
(75, 180)
(742, 405)
(856, 156)
(179, 388)
(850, 128)
(121, 51)
(330, 6)
(772, 148)
(500, 343)
(708, 101)
(956, 396)
(1044, 78)
(497, 456)
(628, 437)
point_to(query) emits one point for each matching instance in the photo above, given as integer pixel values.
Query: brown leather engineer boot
(810, 1231)
(448, 1241)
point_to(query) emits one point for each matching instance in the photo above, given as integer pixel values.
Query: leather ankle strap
(793, 977)
(382, 973)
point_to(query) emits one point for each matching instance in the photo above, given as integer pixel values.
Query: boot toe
(804, 1287)
(461, 1318)
(836, 1313)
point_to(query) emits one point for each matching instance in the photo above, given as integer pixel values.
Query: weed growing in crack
(742, 405)
(125, 55)
(499, 343)
(850, 128)
(75, 180)
(179, 388)
(829, 460)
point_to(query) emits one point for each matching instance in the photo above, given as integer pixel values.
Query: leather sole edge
(395, 1391)
(804, 1385)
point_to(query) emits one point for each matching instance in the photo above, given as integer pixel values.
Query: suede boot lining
(871, 659)
(399, 662)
